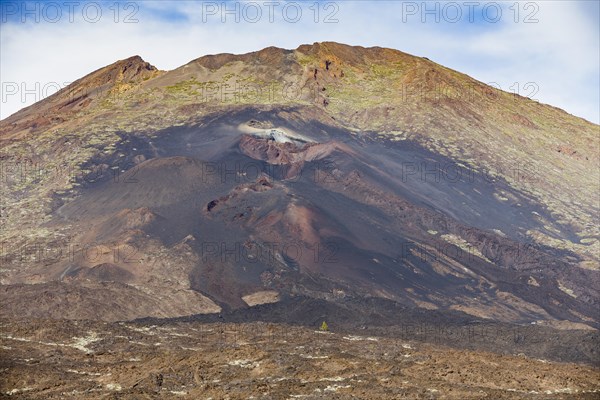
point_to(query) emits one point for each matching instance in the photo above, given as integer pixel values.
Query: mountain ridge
(406, 153)
(316, 49)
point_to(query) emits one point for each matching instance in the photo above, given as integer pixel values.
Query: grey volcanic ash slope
(349, 190)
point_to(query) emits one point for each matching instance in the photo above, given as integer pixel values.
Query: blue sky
(547, 49)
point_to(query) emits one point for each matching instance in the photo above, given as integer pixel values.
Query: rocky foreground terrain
(49, 359)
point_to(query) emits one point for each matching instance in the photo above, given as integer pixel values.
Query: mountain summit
(330, 172)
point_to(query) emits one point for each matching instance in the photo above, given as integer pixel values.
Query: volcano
(329, 173)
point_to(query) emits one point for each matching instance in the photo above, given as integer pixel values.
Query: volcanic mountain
(329, 172)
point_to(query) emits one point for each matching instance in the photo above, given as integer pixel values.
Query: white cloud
(560, 53)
